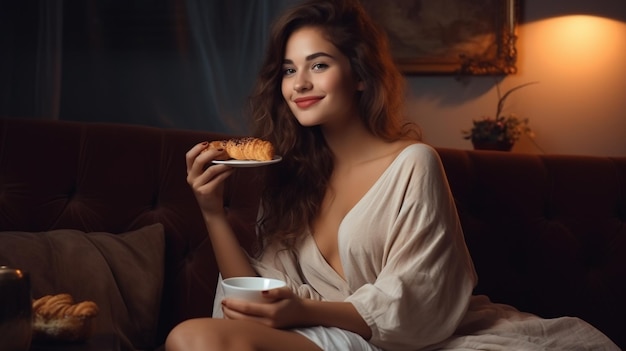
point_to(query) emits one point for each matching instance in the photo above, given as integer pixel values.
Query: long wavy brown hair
(295, 187)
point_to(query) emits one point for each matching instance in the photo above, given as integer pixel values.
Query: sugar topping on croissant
(248, 148)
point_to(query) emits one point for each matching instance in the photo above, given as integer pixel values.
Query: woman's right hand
(207, 180)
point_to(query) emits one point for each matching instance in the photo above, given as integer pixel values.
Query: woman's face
(318, 84)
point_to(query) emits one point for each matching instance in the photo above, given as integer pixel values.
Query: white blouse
(409, 273)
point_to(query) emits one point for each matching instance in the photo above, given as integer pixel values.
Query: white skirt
(336, 339)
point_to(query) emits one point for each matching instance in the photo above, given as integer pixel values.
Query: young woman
(357, 218)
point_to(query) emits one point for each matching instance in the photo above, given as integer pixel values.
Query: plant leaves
(503, 98)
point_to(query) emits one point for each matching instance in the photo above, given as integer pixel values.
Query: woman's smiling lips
(307, 101)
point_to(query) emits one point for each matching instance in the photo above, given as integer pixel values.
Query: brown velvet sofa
(79, 203)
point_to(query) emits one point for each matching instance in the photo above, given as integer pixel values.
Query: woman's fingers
(193, 153)
(205, 179)
(278, 293)
(201, 154)
(267, 313)
(235, 314)
(245, 306)
(211, 178)
(241, 309)
(197, 162)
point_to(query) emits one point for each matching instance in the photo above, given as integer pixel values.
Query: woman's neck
(353, 145)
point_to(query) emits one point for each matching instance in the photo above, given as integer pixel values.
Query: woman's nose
(302, 83)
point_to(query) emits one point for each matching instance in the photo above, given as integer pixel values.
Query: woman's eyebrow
(311, 57)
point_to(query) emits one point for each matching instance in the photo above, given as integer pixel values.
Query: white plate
(248, 163)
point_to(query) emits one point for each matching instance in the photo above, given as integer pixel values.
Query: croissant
(248, 148)
(57, 317)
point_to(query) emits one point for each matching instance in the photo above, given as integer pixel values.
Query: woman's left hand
(283, 309)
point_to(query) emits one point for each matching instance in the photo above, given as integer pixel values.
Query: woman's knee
(186, 336)
(176, 338)
(203, 334)
(207, 334)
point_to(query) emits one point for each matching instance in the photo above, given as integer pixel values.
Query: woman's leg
(207, 334)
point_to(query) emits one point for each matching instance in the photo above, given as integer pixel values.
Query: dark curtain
(184, 64)
(30, 57)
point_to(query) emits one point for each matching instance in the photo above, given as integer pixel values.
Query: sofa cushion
(122, 273)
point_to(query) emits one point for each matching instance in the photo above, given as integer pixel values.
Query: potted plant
(499, 133)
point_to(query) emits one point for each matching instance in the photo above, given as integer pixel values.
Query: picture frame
(462, 37)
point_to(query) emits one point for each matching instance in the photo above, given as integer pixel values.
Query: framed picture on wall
(449, 36)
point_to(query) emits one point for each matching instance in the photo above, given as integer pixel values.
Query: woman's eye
(319, 66)
(288, 71)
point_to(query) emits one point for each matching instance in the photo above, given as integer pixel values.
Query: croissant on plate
(58, 317)
(248, 148)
